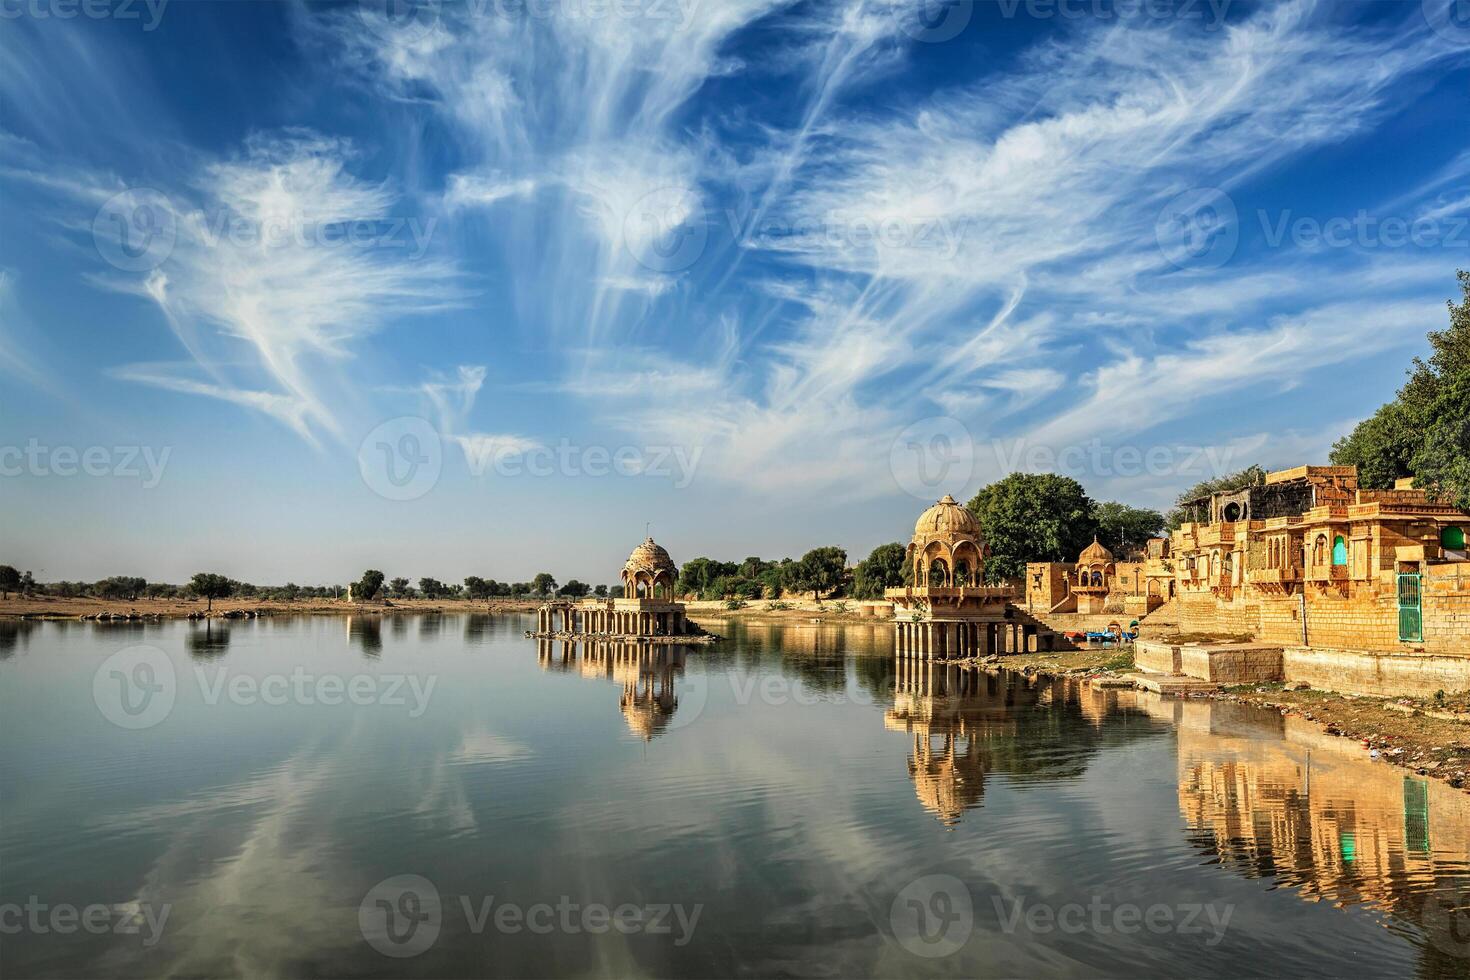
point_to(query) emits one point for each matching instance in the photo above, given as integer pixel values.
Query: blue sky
(483, 287)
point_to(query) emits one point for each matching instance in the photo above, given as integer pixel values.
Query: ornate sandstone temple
(947, 612)
(647, 607)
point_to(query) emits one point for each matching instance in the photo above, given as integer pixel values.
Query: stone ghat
(694, 639)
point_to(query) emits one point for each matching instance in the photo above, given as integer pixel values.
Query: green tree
(1251, 476)
(520, 589)
(209, 586)
(9, 580)
(1032, 517)
(399, 588)
(1124, 529)
(882, 569)
(1425, 431)
(368, 585)
(477, 588)
(821, 570)
(575, 589)
(543, 583)
(600, 592)
(432, 588)
(614, 591)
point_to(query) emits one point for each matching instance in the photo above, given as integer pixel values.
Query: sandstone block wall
(1368, 673)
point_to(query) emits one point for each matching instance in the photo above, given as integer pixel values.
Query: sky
(289, 289)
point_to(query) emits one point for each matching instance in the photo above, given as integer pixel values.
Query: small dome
(946, 518)
(650, 557)
(1094, 553)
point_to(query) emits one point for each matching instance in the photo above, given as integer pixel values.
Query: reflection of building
(966, 726)
(647, 607)
(1276, 797)
(947, 611)
(646, 675)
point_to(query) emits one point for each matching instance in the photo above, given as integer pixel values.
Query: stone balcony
(1274, 576)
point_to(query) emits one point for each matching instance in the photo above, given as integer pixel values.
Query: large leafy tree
(209, 586)
(368, 585)
(1124, 529)
(544, 583)
(882, 569)
(821, 570)
(1425, 431)
(1249, 477)
(1032, 517)
(9, 580)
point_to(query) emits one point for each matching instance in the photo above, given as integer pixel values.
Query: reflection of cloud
(482, 747)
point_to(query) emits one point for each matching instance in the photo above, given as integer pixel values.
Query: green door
(1411, 619)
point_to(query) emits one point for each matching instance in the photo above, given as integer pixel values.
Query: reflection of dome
(947, 783)
(946, 518)
(651, 558)
(647, 714)
(1094, 553)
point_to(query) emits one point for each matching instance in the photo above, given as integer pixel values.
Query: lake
(440, 796)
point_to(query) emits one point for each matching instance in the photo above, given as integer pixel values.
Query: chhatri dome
(1095, 554)
(649, 569)
(948, 548)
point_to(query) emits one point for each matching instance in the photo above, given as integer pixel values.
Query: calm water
(441, 796)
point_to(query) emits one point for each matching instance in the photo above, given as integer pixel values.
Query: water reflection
(965, 724)
(209, 643)
(1274, 797)
(647, 675)
(367, 633)
(14, 633)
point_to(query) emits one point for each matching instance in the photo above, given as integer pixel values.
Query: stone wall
(1234, 664)
(1375, 674)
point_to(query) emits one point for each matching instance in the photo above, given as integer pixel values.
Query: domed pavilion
(948, 612)
(646, 608)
